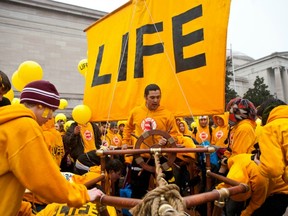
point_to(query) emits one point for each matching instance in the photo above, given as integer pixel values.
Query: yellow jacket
(273, 143)
(114, 140)
(242, 137)
(187, 142)
(25, 162)
(142, 119)
(203, 134)
(89, 209)
(54, 141)
(277, 186)
(244, 170)
(186, 132)
(220, 133)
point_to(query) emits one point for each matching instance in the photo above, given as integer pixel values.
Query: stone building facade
(273, 68)
(51, 34)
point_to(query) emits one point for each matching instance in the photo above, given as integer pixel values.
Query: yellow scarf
(87, 135)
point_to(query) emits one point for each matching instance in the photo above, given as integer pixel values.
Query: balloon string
(121, 61)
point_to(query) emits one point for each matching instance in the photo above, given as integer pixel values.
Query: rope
(169, 60)
(165, 200)
(121, 61)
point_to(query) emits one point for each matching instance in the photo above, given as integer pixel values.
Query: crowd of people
(45, 158)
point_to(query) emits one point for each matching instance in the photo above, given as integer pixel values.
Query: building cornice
(60, 7)
(280, 55)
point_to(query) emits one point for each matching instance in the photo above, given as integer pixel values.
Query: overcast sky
(256, 27)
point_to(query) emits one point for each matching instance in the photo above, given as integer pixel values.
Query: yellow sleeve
(36, 170)
(188, 143)
(128, 129)
(243, 139)
(259, 187)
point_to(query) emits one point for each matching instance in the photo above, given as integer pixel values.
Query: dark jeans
(139, 180)
(233, 208)
(275, 205)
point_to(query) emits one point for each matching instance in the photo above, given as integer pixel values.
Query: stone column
(284, 76)
(278, 83)
(271, 80)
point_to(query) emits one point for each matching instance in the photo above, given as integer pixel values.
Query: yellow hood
(10, 112)
(278, 112)
(225, 118)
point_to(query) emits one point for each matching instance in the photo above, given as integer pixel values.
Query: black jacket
(74, 143)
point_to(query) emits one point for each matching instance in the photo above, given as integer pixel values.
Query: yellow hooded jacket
(54, 141)
(142, 119)
(277, 186)
(242, 137)
(25, 162)
(220, 133)
(244, 170)
(55, 146)
(203, 133)
(273, 143)
(186, 132)
(114, 140)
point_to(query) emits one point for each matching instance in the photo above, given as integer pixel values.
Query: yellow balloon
(16, 82)
(15, 101)
(9, 94)
(83, 67)
(193, 125)
(81, 114)
(29, 71)
(63, 104)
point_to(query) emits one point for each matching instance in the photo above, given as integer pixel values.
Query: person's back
(243, 169)
(55, 146)
(242, 116)
(13, 123)
(273, 139)
(243, 137)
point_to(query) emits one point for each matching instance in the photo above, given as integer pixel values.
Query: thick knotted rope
(165, 200)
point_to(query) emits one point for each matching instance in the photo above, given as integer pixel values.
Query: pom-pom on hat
(41, 92)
